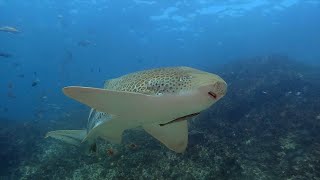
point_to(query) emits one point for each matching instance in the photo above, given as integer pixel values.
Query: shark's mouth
(181, 119)
(212, 94)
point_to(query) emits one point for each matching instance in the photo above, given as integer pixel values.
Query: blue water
(126, 36)
(266, 127)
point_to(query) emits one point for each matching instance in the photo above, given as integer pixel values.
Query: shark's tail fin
(73, 137)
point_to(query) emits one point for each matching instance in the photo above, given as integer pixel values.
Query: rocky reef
(267, 127)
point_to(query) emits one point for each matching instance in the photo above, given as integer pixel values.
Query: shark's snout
(219, 90)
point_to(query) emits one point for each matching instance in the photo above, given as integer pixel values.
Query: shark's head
(210, 87)
(214, 86)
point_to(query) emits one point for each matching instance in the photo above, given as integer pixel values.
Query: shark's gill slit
(181, 118)
(213, 95)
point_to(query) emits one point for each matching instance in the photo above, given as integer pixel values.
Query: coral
(288, 142)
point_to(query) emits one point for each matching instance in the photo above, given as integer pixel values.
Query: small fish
(39, 115)
(16, 64)
(10, 85)
(92, 70)
(84, 43)
(21, 75)
(69, 56)
(5, 55)
(9, 29)
(35, 82)
(11, 95)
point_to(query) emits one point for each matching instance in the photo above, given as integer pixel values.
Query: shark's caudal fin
(73, 137)
(174, 135)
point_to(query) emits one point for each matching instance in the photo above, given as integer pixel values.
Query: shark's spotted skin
(153, 82)
(159, 100)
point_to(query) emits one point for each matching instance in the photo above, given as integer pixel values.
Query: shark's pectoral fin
(174, 135)
(112, 102)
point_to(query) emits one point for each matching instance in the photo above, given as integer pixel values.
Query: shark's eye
(213, 95)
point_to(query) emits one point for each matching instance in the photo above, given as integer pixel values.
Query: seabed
(266, 127)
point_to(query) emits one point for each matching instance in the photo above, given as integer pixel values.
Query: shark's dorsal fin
(174, 135)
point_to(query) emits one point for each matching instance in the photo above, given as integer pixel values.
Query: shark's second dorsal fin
(174, 135)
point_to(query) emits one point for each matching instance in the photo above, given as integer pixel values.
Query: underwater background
(268, 51)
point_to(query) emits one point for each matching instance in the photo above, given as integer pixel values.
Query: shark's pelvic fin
(174, 135)
(73, 137)
(110, 130)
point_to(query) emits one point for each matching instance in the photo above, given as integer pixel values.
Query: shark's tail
(73, 137)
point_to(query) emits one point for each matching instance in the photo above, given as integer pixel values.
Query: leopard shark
(158, 100)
